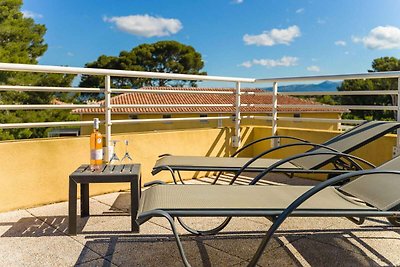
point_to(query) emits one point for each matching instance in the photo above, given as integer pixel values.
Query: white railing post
(275, 142)
(236, 137)
(107, 108)
(398, 119)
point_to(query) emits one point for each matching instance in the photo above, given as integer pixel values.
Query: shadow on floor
(320, 248)
(40, 226)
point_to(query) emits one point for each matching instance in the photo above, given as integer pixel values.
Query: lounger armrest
(244, 167)
(301, 199)
(307, 154)
(309, 144)
(155, 182)
(268, 138)
(164, 155)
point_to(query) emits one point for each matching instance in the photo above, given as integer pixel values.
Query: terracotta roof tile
(181, 98)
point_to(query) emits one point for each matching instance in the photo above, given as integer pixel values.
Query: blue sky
(244, 38)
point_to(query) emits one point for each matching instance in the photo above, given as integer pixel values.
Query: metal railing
(237, 92)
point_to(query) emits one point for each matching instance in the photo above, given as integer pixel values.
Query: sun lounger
(343, 143)
(375, 193)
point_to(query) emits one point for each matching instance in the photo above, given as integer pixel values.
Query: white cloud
(321, 21)
(145, 25)
(381, 37)
(237, 1)
(246, 64)
(313, 68)
(273, 37)
(340, 43)
(31, 14)
(300, 10)
(285, 61)
(70, 54)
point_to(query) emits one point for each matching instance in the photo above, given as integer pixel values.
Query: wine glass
(114, 158)
(126, 158)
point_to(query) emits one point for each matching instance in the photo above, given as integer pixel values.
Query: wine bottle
(96, 146)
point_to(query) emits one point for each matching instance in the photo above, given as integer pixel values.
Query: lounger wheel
(395, 221)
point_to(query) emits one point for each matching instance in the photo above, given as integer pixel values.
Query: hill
(324, 86)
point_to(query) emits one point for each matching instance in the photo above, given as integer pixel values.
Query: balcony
(34, 178)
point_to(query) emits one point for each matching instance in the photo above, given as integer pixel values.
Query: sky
(237, 38)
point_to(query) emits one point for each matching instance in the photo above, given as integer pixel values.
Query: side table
(106, 174)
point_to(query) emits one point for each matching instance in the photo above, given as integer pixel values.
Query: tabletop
(122, 172)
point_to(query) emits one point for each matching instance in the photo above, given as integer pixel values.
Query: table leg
(135, 197)
(72, 198)
(84, 200)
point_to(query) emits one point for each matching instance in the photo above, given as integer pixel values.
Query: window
(167, 116)
(133, 116)
(203, 116)
(296, 115)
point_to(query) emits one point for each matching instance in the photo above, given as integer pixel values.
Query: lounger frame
(279, 216)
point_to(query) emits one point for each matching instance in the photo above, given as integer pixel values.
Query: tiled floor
(38, 237)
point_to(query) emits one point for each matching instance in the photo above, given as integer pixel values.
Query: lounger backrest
(380, 190)
(348, 142)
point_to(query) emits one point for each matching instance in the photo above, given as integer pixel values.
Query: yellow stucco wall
(142, 127)
(376, 152)
(35, 172)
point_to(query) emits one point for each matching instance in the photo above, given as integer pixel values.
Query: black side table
(106, 174)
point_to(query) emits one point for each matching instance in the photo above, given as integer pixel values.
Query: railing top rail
(170, 91)
(176, 76)
(370, 75)
(119, 73)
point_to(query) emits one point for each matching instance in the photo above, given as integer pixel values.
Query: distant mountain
(324, 86)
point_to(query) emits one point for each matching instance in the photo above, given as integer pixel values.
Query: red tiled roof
(181, 98)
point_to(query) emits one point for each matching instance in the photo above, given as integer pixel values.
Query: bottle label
(96, 154)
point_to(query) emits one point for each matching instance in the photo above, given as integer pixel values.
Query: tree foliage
(22, 41)
(163, 56)
(378, 65)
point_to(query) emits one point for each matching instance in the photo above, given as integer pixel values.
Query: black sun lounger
(375, 193)
(343, 143)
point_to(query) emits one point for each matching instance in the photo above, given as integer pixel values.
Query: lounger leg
(177, 239)
(216, 178)
(173, 175)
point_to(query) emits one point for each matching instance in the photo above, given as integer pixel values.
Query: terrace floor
(38, 237)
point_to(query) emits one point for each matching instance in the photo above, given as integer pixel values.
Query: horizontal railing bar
(257, 117)
(168, 120)
(168, 105)
(118, 73)
(355, 107)
(370, 75)
(75, 106)
(44, 124)
(320, 120)
(380, 92)
(34, 107)
(256, 105)
(167, 91)
(49, 89)
(307, 119)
